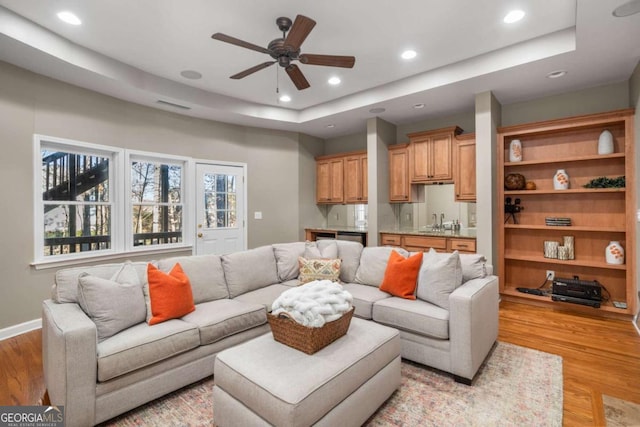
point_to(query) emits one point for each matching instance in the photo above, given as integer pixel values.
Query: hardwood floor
(600, 356)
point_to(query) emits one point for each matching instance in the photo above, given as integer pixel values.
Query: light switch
(257, 215)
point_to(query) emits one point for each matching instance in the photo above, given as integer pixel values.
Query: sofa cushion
(143, 345)
(111, 305)
(328, 249)
(249, 270)
(222, 318)
(287, 259)
(168, 295)
(416, 316)
(439, 276)
(349, 253)
(364, 296)
(267, 295)
(373, 263)
(401, 275)
(65, 288)
(319, 269)
(474, 266)
(205, 275)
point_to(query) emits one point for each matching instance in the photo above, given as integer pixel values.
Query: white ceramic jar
(614, 253)
(605, 142)
(515, 151)
(561, 180)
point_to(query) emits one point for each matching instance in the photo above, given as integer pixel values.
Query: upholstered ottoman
(263, 382)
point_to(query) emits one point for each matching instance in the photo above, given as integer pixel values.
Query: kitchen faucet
(441, 219)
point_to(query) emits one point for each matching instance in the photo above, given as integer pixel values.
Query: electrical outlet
(551, 274)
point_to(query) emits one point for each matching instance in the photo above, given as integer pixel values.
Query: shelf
(570, 228)
(573, 262)
(604, 305)
(559, 192)
(566, 160)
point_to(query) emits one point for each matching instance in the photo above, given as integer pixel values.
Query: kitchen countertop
(342, 228)
(465, 233)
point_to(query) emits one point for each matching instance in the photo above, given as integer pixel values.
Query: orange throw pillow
(401, 275)
(170, 294)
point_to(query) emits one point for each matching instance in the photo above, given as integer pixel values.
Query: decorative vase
(568, 243)
(614, 253)
(561, 180)
(605, 142)
(515, 151)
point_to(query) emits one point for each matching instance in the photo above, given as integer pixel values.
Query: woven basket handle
(285, 315)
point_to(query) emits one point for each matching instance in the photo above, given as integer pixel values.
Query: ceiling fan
(287, 49)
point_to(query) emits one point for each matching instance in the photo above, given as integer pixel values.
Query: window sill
(57, 263)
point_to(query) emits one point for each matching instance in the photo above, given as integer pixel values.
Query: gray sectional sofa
(99, 379)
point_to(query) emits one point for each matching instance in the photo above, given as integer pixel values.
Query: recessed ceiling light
(69, 18)
(418, 106)
(556, 74)
(409, 54)
(377, 110)
(627, 9)
(331, 126)
(191, 74)
(285, 98)
(334, 81)
(513, 16)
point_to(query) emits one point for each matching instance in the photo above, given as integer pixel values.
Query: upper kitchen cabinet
(342, 178)
(329, 180)
(465, 168)
(400, 188)
(355, 178)
(431, 155)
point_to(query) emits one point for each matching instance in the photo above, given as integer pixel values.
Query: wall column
(488, 118)
(380, 134)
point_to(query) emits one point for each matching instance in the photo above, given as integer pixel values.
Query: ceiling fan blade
(245, 73)
(228, 39)
(328, 60)
(297, 77)
(300, 29)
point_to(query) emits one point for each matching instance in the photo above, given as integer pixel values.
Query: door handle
(200, 235)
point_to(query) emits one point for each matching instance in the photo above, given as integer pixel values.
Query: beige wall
(465, 120)
(280, 169)
(346, 143)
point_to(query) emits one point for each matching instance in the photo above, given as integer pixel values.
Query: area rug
(515, 387)
(620, 413)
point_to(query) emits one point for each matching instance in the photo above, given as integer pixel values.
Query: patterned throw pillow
(319, 269)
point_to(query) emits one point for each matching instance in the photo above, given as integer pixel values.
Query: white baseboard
(21, 328)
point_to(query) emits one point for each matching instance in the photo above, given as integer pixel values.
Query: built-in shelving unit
(598, 215)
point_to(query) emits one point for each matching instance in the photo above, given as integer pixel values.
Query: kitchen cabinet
(400, 188)
(431, 155)
(423, 243)
(593, 216)
(355, 178)
(342, 178)
(330, 180)
(465, 168)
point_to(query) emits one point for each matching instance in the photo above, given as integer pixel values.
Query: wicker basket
(306, 339)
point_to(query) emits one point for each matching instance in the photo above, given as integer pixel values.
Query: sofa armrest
(69, 356)
(473, 324)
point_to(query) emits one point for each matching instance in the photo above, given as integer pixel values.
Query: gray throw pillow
(313, 251)
(439, 276)
(112, 306)
(373, 264)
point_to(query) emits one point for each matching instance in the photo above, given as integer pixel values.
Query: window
(220, 200)
(156, 202)
(89, 204)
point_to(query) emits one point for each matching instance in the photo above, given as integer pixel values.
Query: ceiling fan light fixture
(285, 98)
(334, 81)
(69, 18)
(409, 54)
(513, 16)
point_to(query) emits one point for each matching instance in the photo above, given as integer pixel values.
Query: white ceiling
(135, 50)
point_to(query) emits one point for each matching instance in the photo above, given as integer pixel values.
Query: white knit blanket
(314, 303)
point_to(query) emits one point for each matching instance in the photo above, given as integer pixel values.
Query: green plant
(604, 182)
